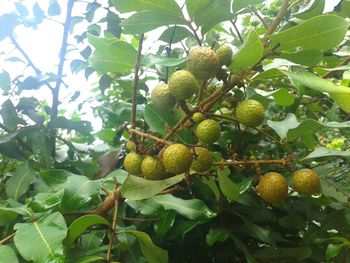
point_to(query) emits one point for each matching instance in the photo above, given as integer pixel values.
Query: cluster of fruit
(204, 63)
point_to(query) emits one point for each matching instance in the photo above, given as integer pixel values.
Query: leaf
(237, 5)
(175, 34)
(239, 244)
(343, 101)
(307, 57)
(111, 55)
(8, 255)
(152, 253)
(30, 83)
(315, 9)
(83, 127)
(40, 241)
(281, 96)
(227, 186)
(196, 6)
(137, 188)
(320, 33)
(150, 60)
(11, 21)
(167, 219)
(5, 81)
(282, 127)
(333, 250)
(89, 259)
(20, 182)
(158, 121)
(326, 152)
(79, 226)
(7, 217)
(145, 21)
(46, 201)
(54, 8)
(258, 232)
(294, 254)
(249, 54)
(78, 192)
(55, 178)
(216, 235)
(162, 6)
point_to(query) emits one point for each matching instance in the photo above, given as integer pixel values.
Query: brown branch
(56, 90)
(258, 15)
(149, 136)
(170, 190)
(114, 223)
(3, 241)
(278, 19)
(195, 33)
(201, 90)
(169, 53)
(237, 31)
(252, 162)
(136, 84)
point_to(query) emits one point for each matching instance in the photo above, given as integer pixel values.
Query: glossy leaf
(162, 6)
(295, 254)
(167, 219)
(308, 57)
(8, 255)
(227, 186)
(55, 178)
(237, 5)
(216, 235)
(137, 188)
(326, 152)
(315, 9)
(175, 34)
(195, 6)
(46, 201)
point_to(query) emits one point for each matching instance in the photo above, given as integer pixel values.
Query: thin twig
(136, 84)
(149, 136)
(201, 90)
(3, 241)
(56, 90)
(278, 19)
(195, 33)
(252, 162)
(169, 53)
(137, 219)
(170, 190)
(237, 31)
(345, 61)
(114, 223)
(258, 15)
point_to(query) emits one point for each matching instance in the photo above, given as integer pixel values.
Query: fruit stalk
(149, 136)
(252, 162)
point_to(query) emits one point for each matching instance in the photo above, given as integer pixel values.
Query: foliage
(63, 199)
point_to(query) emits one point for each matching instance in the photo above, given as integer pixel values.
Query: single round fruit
(182, 84)
(261, 86)
(306, 181)
(225, 55)
(272, 187)
(203, 62)
(132, 163)
(131, 146)
(202, 160)
(250, 113)
(197, 117)
(152, 168)
(208, 131)
(161, 97)
(177, 158)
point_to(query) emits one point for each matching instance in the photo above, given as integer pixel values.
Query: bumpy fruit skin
(197, 117)
(161, 97)
(203, 62)
(250, 113)
(208, 131)
(132, 163)
(225, 55)
(272, 188)
(177, 158)
(130, 146)
(202, 160)
(182, 84)
(152, 168)
(306, 181)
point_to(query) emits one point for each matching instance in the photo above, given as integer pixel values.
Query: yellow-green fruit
(161, 97)
(197, 117)
(132, 163)
(261, 86)
(306, 181)
(225, 55)
(202, 160)
(250, 113)
(130, 146)
(177, 158)
(272, 187)
(182, 84)
(203, 62)
(208, 131)
(152, 168)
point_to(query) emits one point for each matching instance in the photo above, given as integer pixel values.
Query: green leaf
(258, 232)
(307, 57)
(282, 127)
(5, 81)
(343, 101)
(111, 55)
(30, 83)
(150, 60)
(333, 250)
(80, 224)
(11, 21)
(216, 235)
(41, 241)
(137, 188)
(237, 5)
(20, 182)
(55, 178)
(54, 8)
(78, 192)
(227, 186)
(175, 34)
(166, 221)
(46, 201)
(320, 33)
(196, 6)
(7, 217)
(326, 152)
(315, 9)
(294, 254)
(239, 244)
(162, 6)
(8, 255)
(281, 96)
(89, 259)
(249, 54)
(158, 121)
(152, 253)
(145, 21)
(83, 127)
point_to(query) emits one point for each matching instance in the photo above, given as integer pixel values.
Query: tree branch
(3, 241)
(114, 223)
(278, 19)
(149, 136)
(237, 31)
(252, 162)
(169, 53)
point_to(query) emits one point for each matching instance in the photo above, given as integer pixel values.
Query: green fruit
(250, 113)
(132, 163)
(272, 188)
(261, 86)
(152, 168)
(197, 117)
(161, 97)
(306, 181)
(130, 146)
(208, 131)
(203, 62)
(202, 160)
(182, 84)
(177, 158)
(225, 55)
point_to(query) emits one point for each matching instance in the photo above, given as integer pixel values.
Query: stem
(345, 61)
(136, 83)
(114, 223)
(3, 241)
(170, 190)
(237, 31)
(252, 162)
(201, 90)
(56, 90)
(149, 136)
(258, 15)
(195, 33)
(278, 19)
(168, 54)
